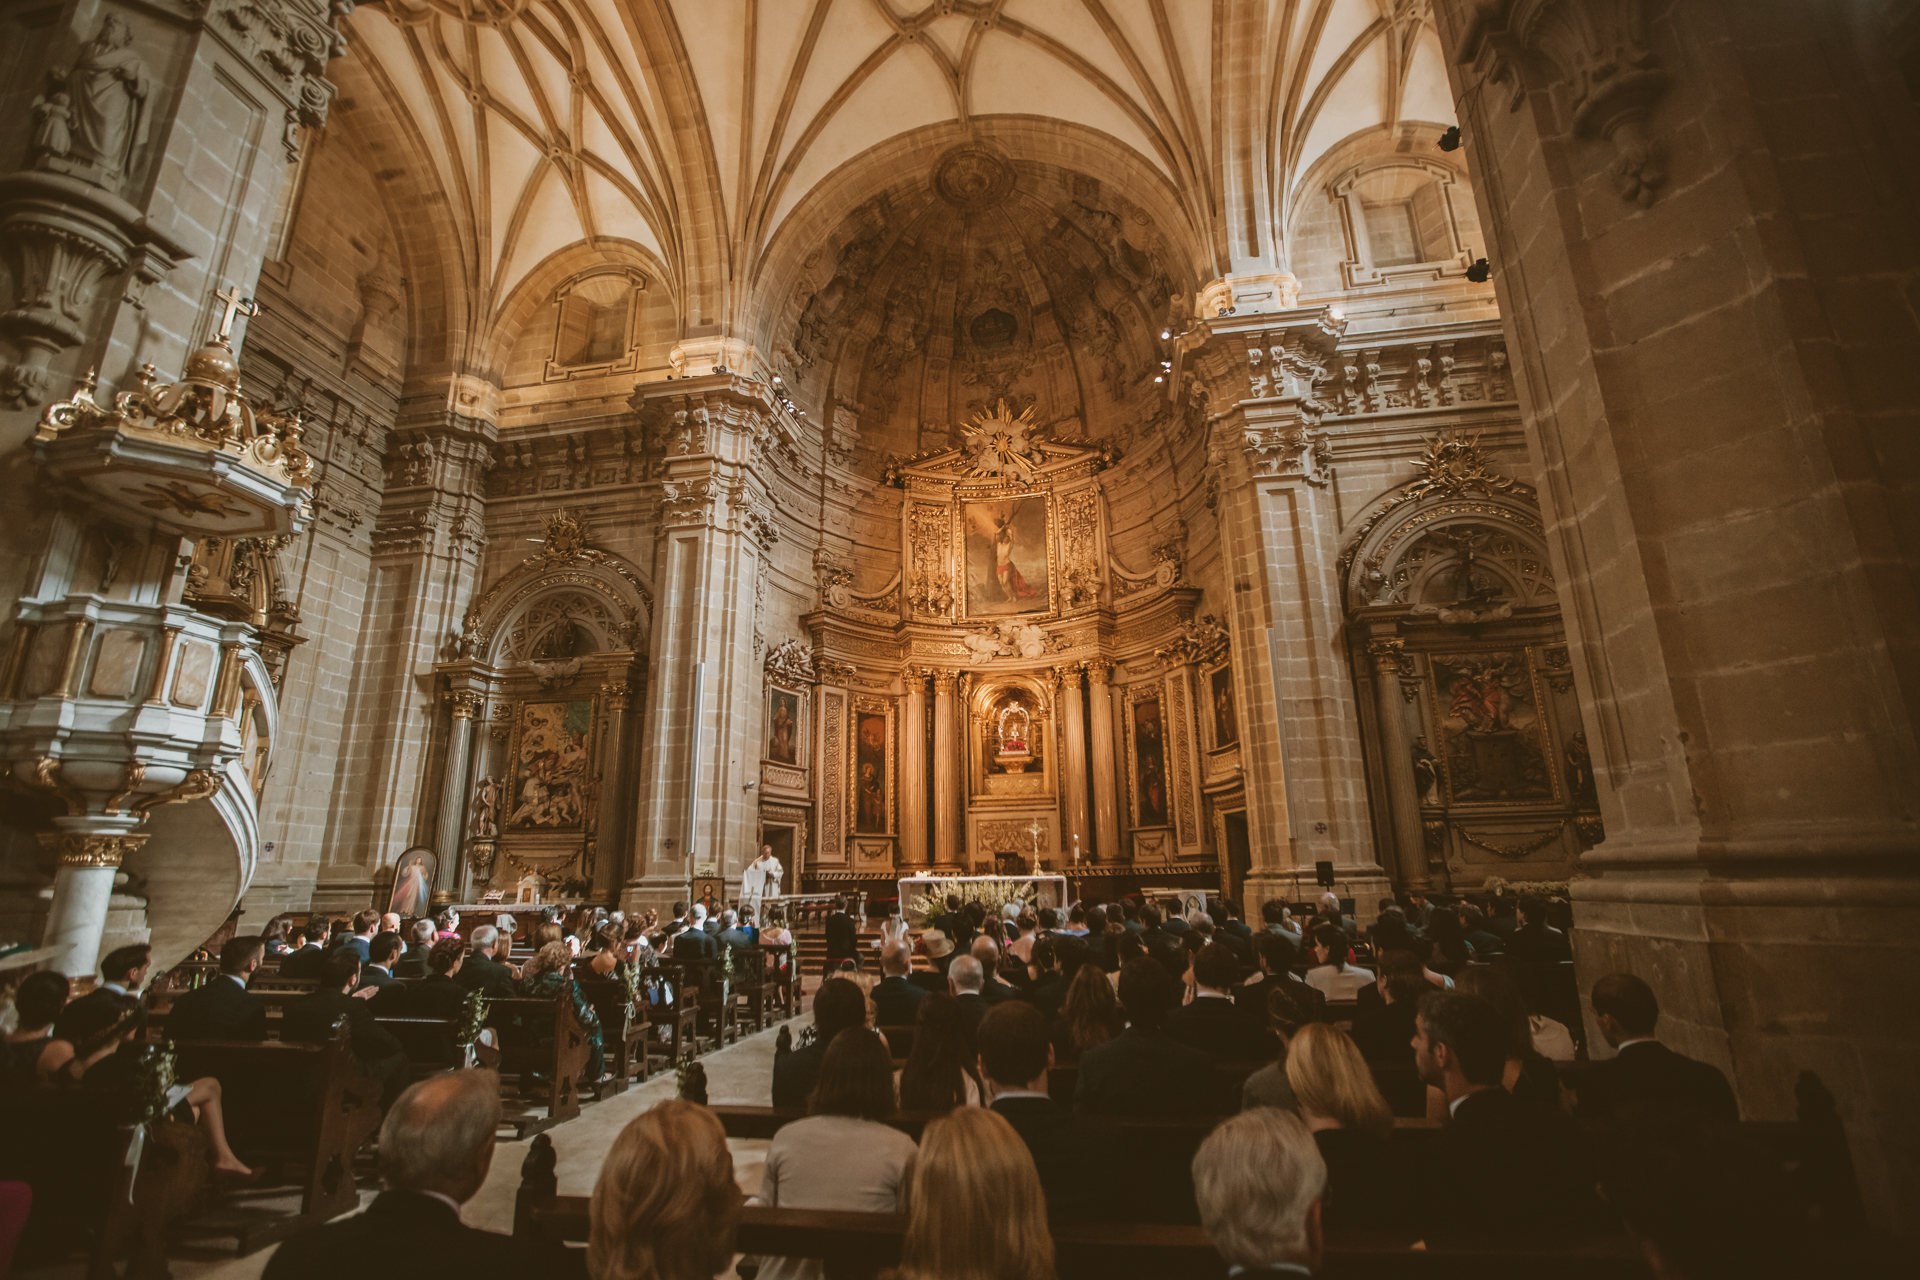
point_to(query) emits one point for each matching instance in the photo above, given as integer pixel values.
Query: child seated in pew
(102, 1057)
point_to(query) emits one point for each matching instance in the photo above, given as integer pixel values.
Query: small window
(594, 327)
(1390, 231)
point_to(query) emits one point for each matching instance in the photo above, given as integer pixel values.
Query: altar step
(813, 948)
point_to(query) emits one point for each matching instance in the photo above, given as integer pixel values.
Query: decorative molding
(792, 662)
(91, 849)
(1201, 640)
(199, 784)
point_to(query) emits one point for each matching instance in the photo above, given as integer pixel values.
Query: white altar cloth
(1050, 890)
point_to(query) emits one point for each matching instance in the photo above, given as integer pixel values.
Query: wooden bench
(296, 1104)
(865, 1243)
(542, 1037)
(624, 1028)
(680, 1014)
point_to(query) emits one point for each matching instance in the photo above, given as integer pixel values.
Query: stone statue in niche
(486, 809)
(108, 93)
(1426, 773)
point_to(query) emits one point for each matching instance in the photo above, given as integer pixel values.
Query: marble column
(1106, 789)
(1409, 840)
(1073, 725)
(90, 851)
(451, 875)
(913, 771)
(946, 771)
(610, 836)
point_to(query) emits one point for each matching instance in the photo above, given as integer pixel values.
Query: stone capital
(91, 849)
(466, 703)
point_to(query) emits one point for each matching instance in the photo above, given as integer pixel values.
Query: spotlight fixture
(1165, 334)
(776, 379)
(1480, 272)
(1159, 377)
(1450, 140)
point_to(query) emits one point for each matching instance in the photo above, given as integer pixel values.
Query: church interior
(498, 455)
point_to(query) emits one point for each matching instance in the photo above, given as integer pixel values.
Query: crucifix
(1035, 831)
(236, 305)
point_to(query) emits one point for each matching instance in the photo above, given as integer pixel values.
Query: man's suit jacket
(1175, 926)
(415, 1234)
(310, 1020)
(220, 1010)
(1649, 1074)
(935, 980)
(358, 945)
(1222, 1031)
(973, 1007)
(994, 991)
(843, 940)
(1252, 998)
(1506, 1166)
(373, 976)
(487, 976)
(1080, 1160)
(1144, 1073)
(413, 961)
(896, 1002)
(1048, 994)
(737, 938)
(1539, 943)
(695, 944)
(435, 996)
(304, 963)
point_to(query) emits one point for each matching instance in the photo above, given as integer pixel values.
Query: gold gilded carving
(91, 849)
(1001, 445)
(197, 785)
(617, 694)
(1454, 465)
(1079, 541)
(1200, 640)
(930, 585)
(130, 778)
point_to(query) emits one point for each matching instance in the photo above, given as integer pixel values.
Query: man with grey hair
(436, 1146)
(987, 952)
(1258, 1179)
(694, 942)
(732, 934)
(413, 962)
(896, 1001)
(482, 970)
(965, 977)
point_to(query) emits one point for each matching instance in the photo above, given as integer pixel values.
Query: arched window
(1401, 221)
(595, 330)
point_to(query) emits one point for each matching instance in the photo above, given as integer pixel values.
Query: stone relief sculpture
(107, 92)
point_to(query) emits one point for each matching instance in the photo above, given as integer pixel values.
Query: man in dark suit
(1212, 1023)
(1536, 940)
(481, 971)
(413, 963)
(843, 940)
(1080, 1160)
(1644, 1074)
(1143, 1071)
(364, 925)
(303, 961)
(896, 1001)
(964, 977)
(1175, 921)
(310, 1020)
(436, 1146)
(1501, 1165)
(731, 934)
(377, 972)
(439, 994)
(679, 921)
(837, 1006)
(694, 942)
(992, 989)
(1277, 955)
(223, 1009)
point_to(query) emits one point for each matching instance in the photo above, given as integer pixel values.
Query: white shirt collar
(448, 1201)
(1453, 1108)
(1293, 1267)
(234, 977)
(114, 987)
(1204, 994)
(1636, 1040)
(998, 1094)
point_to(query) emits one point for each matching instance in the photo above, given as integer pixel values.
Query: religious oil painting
(1151, 806)
(550, 770)
(1226, 726)
(783, 726)
(870, 772)
(1006, 556)
(1494, 744)
(412, 883)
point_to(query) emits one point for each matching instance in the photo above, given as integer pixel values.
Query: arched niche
(1012, 747)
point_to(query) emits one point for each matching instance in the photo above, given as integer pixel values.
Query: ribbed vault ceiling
(695, 128)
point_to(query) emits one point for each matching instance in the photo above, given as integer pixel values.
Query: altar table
(1050, 890)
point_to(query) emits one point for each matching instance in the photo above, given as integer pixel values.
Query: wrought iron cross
(236, 305)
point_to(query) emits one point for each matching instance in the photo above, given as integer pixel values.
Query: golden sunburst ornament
(999, 444)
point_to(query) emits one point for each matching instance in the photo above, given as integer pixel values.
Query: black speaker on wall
(1323, 871)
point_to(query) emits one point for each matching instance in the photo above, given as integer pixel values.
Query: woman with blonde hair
(1350, 1121)
(666, 1206)
(975, 1210)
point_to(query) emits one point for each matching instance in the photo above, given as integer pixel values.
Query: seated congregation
(1114, 1089)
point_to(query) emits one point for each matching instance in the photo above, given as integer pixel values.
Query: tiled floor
(741, 1073)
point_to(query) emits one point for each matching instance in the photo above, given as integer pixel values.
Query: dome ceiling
(696, 128)
(986, 281)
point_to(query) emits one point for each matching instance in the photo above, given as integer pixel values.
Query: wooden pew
(681, 1013)
(864, 1243)
(300, 1104)
(624, 1028)
(68, 1147)
(542, 1037)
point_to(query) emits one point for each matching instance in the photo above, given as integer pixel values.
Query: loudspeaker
(1324, 872)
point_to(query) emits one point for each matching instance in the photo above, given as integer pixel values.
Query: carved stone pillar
(451, 875)
(90, 851)
(913, 770)
(1106, 791)
(1724, 472)
(947, 755)
(1409, 841)
(610, 836)
(1073, 727)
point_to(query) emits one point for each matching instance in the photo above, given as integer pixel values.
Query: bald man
(436, 1146)
(896, 1001)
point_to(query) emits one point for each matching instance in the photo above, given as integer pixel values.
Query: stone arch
(1409, 551)
(614, 606)
(524, 303)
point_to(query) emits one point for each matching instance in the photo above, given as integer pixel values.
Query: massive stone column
(913, 770)
(611, 839)
(946, 772)
(1279, 535)
(1702, 224)
(450, 876)
(699, 741)
(1073, 726)
(1106, 802)
(1409, 838)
